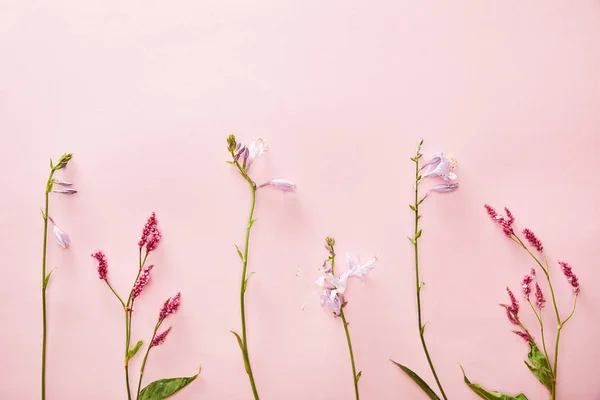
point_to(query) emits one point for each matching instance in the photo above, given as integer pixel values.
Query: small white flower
(60, 236)
(256, 148)
(440, 166)
(358, 270)
(281, 184)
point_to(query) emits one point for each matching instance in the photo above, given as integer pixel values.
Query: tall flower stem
(415, 242)
(354, 376)
(143, 367)
(539, 318)
(45, 281)
(244, 281)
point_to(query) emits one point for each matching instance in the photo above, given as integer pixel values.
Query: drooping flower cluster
(142, 281)
(102, 264)
(244, 157)
(526, 284)
(571, 277)
(540, 301)
(505, 222)
(160, 338)
(150, 234)
(170, 306)
(442, 167)
(512, 309)
(524, 335)
(533, 239)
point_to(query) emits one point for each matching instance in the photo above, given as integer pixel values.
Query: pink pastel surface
(144, 94)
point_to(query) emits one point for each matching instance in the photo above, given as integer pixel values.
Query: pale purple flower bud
(62, 183)
(443, 188)
(256, 148)
(171, 305)
(65, 191)
(525, 336)
(331, 299)
(571, 278)
(539, 297)
(160, 338)
(142, 281)
(246, 153)
(281, 184)
(60, 236)
(102, 264)
(239, 152)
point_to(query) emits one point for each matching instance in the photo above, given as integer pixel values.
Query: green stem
(351, 353)
(139, 388)
(415, 241)
(539, 318)
(560, 326)
(127, 336)
(44, 284)
(245, 280)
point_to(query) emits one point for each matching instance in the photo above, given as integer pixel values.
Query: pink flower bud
(102, 264)
(160, 338)
(170, 306)
(142, 281)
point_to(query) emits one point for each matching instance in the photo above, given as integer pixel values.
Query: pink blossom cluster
(571, 278)
(505, 222)
(150, 235)
(142, 281)
(533, 239)
(512, 310)
(170, 306)
(102, 264)
(160, 338)
(526, 284)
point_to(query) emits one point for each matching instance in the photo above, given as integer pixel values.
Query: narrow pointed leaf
(252, 223)
(239, 339)
(418, 235)
(412, 207)
(165, 388)
(418, 381)
(47, 278)
(413, 241)
(358, 376)
(488, 395)
(133, 351)
(244, 356)
(239, 252)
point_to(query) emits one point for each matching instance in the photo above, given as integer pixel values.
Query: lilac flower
(142, 281)
(60, 236)
(526, 284)
(539, 297)
(440, 166)
(331, 299)
(571, 278)
(533, 239)
(160, 338)
(525, 336)
(62, 183)
(256, 148)
(281, 184)
(67, 192)
(443, 188)
(358, 270)
(171, 306)
(102, 264)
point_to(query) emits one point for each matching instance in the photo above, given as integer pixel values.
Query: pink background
(144, 94)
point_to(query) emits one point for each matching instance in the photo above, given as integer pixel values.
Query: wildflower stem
(560, 326)
(415, 241)
(355, 379)
(45, 282)
(115, 293)
(539, 318)
(244, 280)
(127, 335)
(143, 367)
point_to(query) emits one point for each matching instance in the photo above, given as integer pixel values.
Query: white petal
(61, 237)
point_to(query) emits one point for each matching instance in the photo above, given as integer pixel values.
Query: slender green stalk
(415, 242)
(354, 378)
(560, 326)
(127, 336)
(539, 318)
(244, 280)
(45, 283)
(143, 367)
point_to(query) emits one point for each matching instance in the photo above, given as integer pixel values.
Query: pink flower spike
(505, 223)
(171, 306)
(102, 264)
(281, 184)
(571, 278)
(510, 315)
(524, 336)
(160, 338)
(526, 284)
(533, 240)
(514, 304)
(142, 281)
(150, 234)
(539, 297)
(60, 236)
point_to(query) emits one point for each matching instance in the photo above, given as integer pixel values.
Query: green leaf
(418, 235)
(165, 388)
(51, 165)
(413, 241)
(420, 201)
(412, 207)
(47, 278)
(418, 381)
(252, 223)
(413, 159)
(358, 376)
(540, 366)
(486, 394)
(246, 282)
(419, 178)
(133, 351)
(239, 252)
(241, 344)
